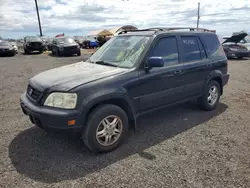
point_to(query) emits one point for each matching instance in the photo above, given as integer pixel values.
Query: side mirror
(154, 62)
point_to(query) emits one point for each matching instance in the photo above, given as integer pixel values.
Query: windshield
(34, 38)
(121, 51)
(4, 44)
(66, 40)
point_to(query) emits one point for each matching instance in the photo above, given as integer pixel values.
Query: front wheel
(79, 53)
(209, 100)
(106, 128)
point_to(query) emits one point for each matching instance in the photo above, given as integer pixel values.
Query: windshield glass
(34, 38)
(4, 44)
(121, 51)
(66, 40)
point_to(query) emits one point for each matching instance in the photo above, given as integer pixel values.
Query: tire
(57, 53)
(204, 102)
(79, 53)
(94, 123)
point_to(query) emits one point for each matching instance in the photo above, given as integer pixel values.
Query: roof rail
(179, 28)
(137, 30)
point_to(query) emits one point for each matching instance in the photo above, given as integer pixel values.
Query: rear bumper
(50, 118)
(225, 79)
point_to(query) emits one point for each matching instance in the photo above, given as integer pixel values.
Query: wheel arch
(122, 101)
(217, 76)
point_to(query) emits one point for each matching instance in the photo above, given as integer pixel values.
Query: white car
(14, 45)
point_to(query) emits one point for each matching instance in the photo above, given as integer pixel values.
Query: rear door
(196, 65)
(162, 85)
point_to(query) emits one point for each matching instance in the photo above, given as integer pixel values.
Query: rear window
(212, 43)
(191, 50)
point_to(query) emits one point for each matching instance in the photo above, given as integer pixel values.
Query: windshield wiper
(104, 63)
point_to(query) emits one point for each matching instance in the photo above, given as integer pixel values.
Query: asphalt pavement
(180, 146)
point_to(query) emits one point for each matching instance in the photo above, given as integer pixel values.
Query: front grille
(36, 44)
(70, 48)
(33, 93)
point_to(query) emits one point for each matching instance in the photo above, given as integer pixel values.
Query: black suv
(33, 43)
(131, 74)
(65, 46)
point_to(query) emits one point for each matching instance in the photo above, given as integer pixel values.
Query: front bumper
(66, 51)
(232, 54)
(50, 118)
(225, 79)
(7, 52)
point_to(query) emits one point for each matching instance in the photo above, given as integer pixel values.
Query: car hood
(67, 77)
(235, 38)
(5, 47)
(67, 44)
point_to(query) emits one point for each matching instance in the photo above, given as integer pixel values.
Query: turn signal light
(71, 122)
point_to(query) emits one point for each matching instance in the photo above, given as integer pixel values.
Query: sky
(18, 18)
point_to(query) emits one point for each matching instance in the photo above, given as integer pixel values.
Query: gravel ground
(179, 147)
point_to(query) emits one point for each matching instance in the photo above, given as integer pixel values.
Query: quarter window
(167, 49)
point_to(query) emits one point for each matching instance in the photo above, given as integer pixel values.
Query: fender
(89, 103)
(212, 75)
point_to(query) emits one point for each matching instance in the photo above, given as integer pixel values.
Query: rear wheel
(106, 128)
(209, 100)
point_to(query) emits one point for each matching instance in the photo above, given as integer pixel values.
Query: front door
(161, 86)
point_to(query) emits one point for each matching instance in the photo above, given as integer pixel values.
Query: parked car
(33, 43)
(47, 42)
(131, 74)
(14, 45)
(65, 46)
(79, 40)
(6, 48)
(233, 48)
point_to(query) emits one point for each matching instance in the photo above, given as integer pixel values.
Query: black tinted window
(167, 49)
(212, 43)
(191, 51)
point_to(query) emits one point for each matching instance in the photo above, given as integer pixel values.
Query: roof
(102, 32)
(114, 30)
(151, 31)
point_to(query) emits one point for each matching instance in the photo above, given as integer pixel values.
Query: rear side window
(212, 43)
(191, 50)
(167, 49)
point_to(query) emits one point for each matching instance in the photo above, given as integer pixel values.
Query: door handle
(209, 65)
(177, 71)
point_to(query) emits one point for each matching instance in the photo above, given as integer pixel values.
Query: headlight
(61, 100)
(233, 49)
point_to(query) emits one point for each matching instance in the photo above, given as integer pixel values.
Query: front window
(67, 40)
(121, 51)
(35, 38)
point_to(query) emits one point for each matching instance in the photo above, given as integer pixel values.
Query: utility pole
(38, 17)
(198, 15)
